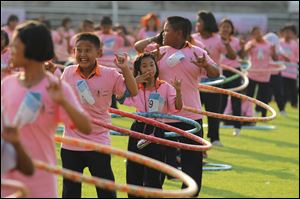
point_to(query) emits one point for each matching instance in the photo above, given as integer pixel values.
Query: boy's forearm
(24, 162)
(130, 81)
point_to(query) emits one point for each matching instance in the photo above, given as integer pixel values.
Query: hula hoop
(165, 116)
(216, 167)
(277, 66)
(204, 147)
(231, 117)
(213, 81)
(110, 185)
(260, 127)
(21, 188)
(245, 65)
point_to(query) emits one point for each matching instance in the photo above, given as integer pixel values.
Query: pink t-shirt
(111, 45)
(57, 72)
(291, 50)
(37, 137)
(143, 34)
(247, 108)
(5, 57)
(260, 57)
(102, 87)
(61, 49)
(9, 32)
(167, 101)
(213, 45)
(189, 74)
(235, 45)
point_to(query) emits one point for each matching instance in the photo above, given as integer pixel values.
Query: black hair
(138, 61)
(182, 24)
(37, 40)
(290, 27)
(209, 20)
(5, 36)
(65, 21)
(87, 21)
(12, 18)
(91, 37)
(106, 20)
(254, 28)
(226, 20)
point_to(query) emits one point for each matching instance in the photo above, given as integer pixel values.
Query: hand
(55, 91)
(11, 135)
(142, 78)
(200, 61)
(242, 42)
(225, 41)
(50, 66)
(121, 60)
(176, 84)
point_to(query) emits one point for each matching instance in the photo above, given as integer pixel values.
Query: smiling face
(225, 29)
(86, 53)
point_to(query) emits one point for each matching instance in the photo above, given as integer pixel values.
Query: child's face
(148, 65)
(86, 53)
(169, 35)
(18, 52)
(257, 34)
(225, 29)
(288, 34)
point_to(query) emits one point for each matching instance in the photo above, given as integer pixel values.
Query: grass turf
(265, 163)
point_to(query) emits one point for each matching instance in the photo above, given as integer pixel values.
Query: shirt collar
(157, 84)
(95, 72)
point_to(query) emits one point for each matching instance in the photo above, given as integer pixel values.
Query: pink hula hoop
(110, 185)
(21, 188)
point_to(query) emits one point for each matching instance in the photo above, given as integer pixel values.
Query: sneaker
(283, 113)
(217, 143)
(236, 132)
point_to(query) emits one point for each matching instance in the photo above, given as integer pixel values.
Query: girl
(150, 26)
(5, 54)
(261, 53)
(227, 35)
(290, 75)
(11, 25)
(94, 84)
(36, 101)
(154, 96)
(178, 58)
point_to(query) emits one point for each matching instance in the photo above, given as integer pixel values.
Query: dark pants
(137, 174)
(263, 94)
(191, 161)
(276, 89)
(114, 102)
(235, 102)
(212, 103)
(290, 91)
(98, 164)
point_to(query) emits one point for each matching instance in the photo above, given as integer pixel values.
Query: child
(13, 154)
(94, 85)
(11, 25)
(154, 96)
(150, 26)
(187, 62)
(236, 47)
(5, 54)
(261, 53)
(291, 73)
(207, 33)
(35, 101)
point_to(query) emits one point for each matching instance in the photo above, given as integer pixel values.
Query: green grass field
(265, 163)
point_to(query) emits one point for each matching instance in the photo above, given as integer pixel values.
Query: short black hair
(5, 36)
(65, 21)
(138, 61)
(226, 20)
(37, 40)
(106, 20)
(254, 28)
(290, 27)
(209, 20)
(12, 18)
(87, 36)
(182, 24)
